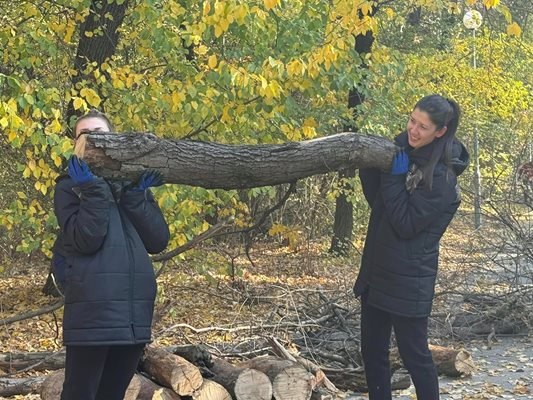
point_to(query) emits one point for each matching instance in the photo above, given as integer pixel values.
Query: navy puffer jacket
(106, 235)
(400, 256)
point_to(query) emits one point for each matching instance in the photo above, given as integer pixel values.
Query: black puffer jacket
(106, 235)
(400, 257)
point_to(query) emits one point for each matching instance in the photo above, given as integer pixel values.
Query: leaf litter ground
(196, 293)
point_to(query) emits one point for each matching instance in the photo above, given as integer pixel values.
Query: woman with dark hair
(107, 229)
(411, 207)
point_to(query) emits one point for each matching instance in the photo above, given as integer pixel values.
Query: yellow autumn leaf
(471, 2)
(269, 4)
(12, 136)
(212, 61)
(218, 30)
(69, 32)
(201, 50)
(78, 103)
(491, 3)
(514, 30)
(207, 7)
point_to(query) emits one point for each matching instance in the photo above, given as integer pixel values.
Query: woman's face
(91, 124)
(421, 130)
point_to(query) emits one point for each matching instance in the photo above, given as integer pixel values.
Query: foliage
(228, 71)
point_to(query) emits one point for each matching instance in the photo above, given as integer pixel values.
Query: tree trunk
(214, 165)
(98, 41)
(343, 225)
(171, 371)
(242, 383)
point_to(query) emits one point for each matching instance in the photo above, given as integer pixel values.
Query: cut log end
(211, 391)
(253, 385)
(293, 383)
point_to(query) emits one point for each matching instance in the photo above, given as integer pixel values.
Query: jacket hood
(459, 160)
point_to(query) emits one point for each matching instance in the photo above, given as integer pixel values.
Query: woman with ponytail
(412, 206)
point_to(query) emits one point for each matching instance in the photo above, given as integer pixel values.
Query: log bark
(149, 390)
(39, 361)
(13, 386)
(220, 166)
(449, 361)
(211, 390)
(242, 383)
(171, 371)
(290, 381)
(452, 362)
(53, 385)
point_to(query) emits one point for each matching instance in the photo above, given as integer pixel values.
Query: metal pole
(477, 173)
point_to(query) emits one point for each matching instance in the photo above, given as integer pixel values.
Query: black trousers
(412, 340)
(99, 372)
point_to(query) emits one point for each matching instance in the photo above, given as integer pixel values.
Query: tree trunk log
(171, 371)
(214, 165)
(452, 362)
(53, 385)
(241, 383)
(149, 390)
(290, 381)
(211, 390)
(294, 383)
(13, 386)
(449, 361)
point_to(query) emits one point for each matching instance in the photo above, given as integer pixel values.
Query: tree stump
(171, 371)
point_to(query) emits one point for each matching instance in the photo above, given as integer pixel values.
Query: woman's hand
(400, 163)
(79, 171)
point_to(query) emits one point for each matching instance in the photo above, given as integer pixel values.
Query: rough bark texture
(343, 225)
(242, 383)
(13, 386)
(449, 361)
(99, 34)
(171, 371)
(39, 361)
(213, 165)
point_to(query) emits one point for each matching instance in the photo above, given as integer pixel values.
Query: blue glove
(79, 171)
(149, 178)
(400, 163)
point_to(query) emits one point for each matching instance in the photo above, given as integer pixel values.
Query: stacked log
(168, 376)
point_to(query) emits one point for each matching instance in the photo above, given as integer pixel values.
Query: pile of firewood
(191, 372)
(169, 375)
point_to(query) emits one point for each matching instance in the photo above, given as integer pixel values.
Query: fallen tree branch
(31, 314)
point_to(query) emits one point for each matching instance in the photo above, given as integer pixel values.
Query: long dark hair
(93, 113)
(443, 112)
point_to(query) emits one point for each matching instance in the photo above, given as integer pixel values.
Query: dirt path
(504, 372)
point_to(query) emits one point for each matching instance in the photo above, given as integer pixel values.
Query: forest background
(267, 71)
